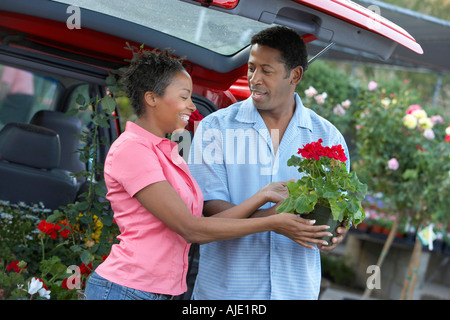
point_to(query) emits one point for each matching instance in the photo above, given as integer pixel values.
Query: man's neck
(277, 122)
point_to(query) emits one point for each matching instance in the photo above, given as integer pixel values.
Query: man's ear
(150, 98)
(296, 75)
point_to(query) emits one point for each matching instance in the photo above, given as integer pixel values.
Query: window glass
(217, 31)
(84, 115)
(23, 93)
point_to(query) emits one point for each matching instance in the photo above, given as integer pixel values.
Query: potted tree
(326, 192)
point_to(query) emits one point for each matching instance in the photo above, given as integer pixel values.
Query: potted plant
(326, 192)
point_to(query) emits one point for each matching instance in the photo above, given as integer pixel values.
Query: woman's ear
(150, 98)
(296, 75)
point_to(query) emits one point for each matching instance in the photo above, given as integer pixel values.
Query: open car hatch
(341, 22)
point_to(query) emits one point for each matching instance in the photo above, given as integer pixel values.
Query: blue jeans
(99, 288)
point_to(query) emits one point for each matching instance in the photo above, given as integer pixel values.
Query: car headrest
(30, 145)
(58, 121)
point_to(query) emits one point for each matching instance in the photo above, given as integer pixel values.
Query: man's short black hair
(288, 42)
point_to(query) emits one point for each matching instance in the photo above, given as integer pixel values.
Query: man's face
(271, 87)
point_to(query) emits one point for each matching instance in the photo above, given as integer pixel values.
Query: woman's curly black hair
(288, 42)
(149, 71)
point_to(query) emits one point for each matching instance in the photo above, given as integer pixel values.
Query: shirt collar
(249, 114)
(147, 135)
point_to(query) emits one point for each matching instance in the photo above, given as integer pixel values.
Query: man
(237, 150)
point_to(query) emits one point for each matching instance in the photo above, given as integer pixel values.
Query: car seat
(67, 127)
(29, 167)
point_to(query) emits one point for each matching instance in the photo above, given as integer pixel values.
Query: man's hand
(341, 233)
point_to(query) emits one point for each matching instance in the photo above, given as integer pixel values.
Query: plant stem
(43, 248)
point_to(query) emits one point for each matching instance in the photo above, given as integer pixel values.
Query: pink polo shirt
(150, 256)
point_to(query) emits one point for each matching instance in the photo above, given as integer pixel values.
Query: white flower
(447, 131)
(44, 293)
(429, 134)
(310, 92)
(346, 104)
(34, 285)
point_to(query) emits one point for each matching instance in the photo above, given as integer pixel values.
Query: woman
(157, 204)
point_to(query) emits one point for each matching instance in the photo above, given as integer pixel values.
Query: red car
(59, 49)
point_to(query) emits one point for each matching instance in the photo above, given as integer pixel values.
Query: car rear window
(217, 31)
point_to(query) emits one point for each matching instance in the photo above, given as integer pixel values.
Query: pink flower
(320, 98)
(436, 119)
(310, 92)
(338, 110)
(372, 85)
(393, 164)
(412, 108)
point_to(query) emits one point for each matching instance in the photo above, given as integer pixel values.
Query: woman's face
(173, 109)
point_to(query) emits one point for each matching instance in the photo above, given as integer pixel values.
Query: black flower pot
(323, 216)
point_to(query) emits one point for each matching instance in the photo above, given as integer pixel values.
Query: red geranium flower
(86, 269)
(315, 150)
(13, 266)
(53, 229)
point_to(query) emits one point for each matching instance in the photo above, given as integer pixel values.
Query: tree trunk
(385, 250)
(410, 281)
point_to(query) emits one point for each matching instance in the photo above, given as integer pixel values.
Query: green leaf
(287, 205)
(410, 174)
(81, 100)
(86, 257)
(305, 203)
(338, 209)
(71, 112)
(107, 220)
(54, 217)
(108, 104)
(75, 248)
(82, 206)
(294, 161)
(293, 187)
(110, 80)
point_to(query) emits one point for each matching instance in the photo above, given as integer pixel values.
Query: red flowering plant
(325, 182)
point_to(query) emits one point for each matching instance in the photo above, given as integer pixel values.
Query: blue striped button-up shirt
(232, 158)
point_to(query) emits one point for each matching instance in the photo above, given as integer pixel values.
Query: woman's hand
(301, 230)
(275, 191)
